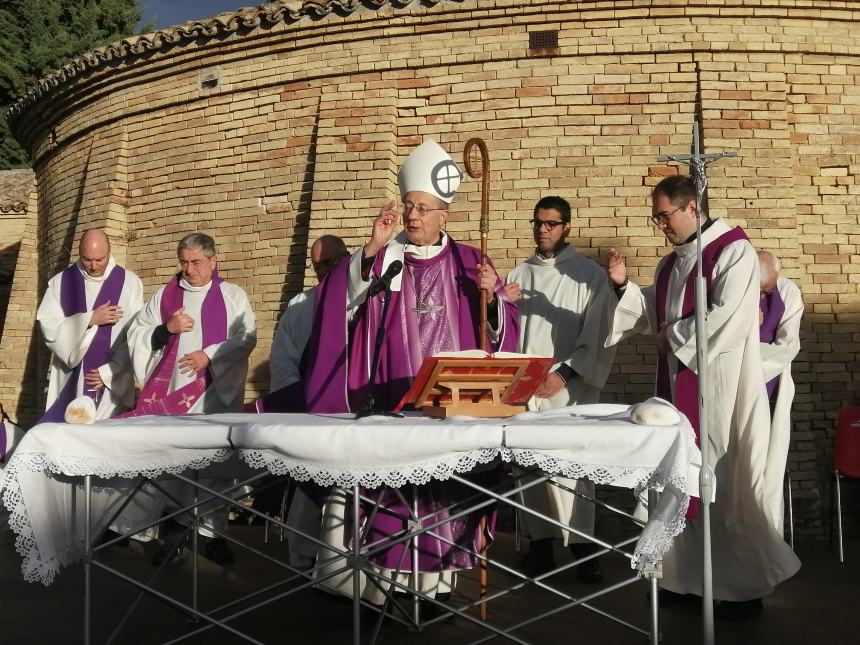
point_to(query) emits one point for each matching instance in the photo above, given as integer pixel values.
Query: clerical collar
(429, 251)
(189, 287)
(705, 227)
(91, 278)
(554, 255)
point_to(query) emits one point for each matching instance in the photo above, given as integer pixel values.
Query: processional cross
(697, 161)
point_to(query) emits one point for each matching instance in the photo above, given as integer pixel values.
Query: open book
(476, 384)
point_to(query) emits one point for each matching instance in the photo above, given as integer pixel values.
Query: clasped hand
(193, 362)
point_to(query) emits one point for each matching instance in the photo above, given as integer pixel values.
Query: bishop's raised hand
(383, 229)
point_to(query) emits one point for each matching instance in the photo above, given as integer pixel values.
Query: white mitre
(81, 410)
(430, 169)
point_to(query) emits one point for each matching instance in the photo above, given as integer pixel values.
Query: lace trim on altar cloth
(36, 568)
(665, 523)
(440, 468)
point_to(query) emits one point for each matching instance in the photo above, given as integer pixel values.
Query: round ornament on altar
(81, 410)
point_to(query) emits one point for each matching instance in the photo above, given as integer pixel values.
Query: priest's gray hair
(769, 266)
(198, 241)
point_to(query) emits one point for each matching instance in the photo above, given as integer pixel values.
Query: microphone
(384, 282)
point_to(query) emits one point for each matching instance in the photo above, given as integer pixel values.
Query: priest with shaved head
(83, 317)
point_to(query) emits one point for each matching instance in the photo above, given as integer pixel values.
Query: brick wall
(311, 118)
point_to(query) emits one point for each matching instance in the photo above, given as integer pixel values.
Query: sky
(166, 13)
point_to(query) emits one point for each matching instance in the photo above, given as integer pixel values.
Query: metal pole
(88, 557)
(356, 568)
(195, 545)
(697, 162)
(416, 608)
(654, 576)
(706, 482)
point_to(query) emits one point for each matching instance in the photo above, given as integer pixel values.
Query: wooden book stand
(475, 387)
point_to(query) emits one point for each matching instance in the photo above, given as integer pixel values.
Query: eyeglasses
(661, 219)
(551, 224)
(421, 208)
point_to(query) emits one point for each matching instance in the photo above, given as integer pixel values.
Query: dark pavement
(815, 607)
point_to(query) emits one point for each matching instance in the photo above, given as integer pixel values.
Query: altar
(67, 483)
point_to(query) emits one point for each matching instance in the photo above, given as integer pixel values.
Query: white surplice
(749, 555)
(776, 360)
(69, 337)
(563, 314)
(291, 337)
(12, 436)
(228, 364)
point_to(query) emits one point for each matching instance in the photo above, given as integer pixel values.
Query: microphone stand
(368, 406)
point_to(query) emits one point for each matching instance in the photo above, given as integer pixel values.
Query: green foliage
(38, 37)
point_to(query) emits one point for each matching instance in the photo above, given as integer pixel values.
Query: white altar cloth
(47, 507)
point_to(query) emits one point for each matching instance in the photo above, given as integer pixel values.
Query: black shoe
(173, 541)
(218, 551)
(738, 610)
(666, 598)
(332, 596)
(431, 610)
(539, 559)
(589, 571)
(112, 535)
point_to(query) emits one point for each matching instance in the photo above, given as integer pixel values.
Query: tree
(38, 37)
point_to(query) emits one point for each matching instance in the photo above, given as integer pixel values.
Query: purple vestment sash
(339, 360)
(154, 398)
(73, 300)
(686, 388)
(2, 440)
(772, 308)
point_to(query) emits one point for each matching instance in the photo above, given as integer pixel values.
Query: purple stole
(154, 398)
(3, 445)
(73, 300)
(329, 314)
(686, 380)
(772, 308)
(338, 368)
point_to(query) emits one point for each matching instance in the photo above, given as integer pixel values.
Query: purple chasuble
(686, 388)
(447, 317)
(439, 305)
(772, 308)
(154, 398)
(73, 300)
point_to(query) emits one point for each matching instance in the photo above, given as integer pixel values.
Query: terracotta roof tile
(15, 187)
(287, 11)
